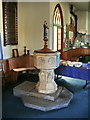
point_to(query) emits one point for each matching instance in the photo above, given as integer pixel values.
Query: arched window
(58, 28)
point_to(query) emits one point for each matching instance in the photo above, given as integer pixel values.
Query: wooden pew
(74, 54)
(5, 72)
(22, 63)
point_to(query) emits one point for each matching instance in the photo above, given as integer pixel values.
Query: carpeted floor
(12, 107)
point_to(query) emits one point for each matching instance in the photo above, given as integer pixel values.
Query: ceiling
(81, 6)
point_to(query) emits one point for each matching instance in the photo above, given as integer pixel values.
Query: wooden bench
(5, 73)
(20, 64)
(73, 54)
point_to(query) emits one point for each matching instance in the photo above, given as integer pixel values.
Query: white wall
(88, 22)
(21, 39)
(34, 16)
(66, 12)
(83, 20)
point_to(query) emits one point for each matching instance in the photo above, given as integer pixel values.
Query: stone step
(62, 101)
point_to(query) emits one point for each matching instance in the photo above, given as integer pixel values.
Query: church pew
(20, 64)
(73, 54)
(5, 72)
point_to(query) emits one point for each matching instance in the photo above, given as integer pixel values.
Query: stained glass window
(57, 17)
(57, 22)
